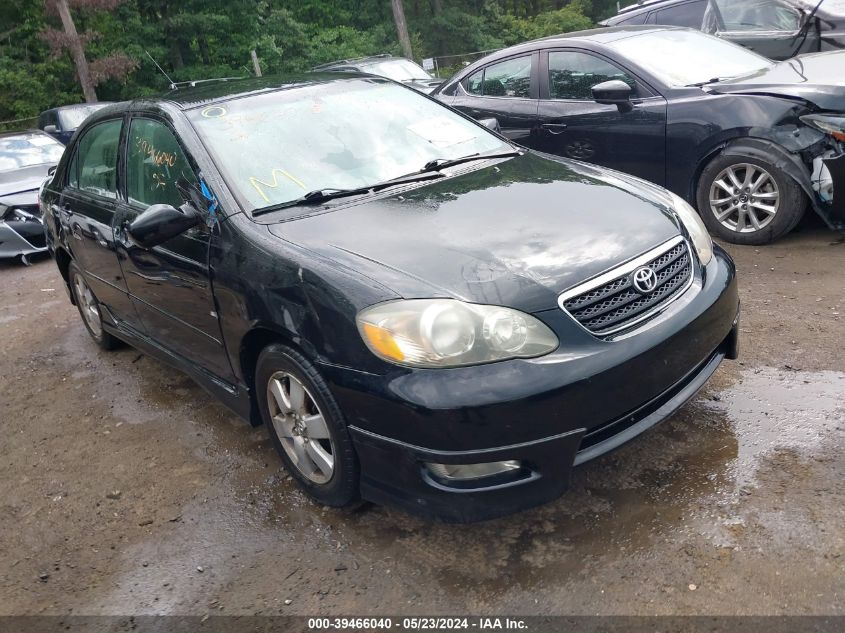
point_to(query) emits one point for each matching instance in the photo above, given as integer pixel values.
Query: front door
(630, 138)
(504, 90)
(169, 284)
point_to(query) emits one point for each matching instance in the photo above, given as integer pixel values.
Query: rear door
(170, 284)
(505, 90)
(87, 207)
(630, 138)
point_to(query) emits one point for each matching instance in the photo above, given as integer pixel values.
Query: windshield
(72, 118)
(397, 70)
(684, 57)
(351, 133)
(25, 150)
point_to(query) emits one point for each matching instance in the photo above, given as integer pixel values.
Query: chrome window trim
(626, 269)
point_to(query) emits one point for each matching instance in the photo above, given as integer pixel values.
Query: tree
(74, 43)
(402, 28)
(111, 65)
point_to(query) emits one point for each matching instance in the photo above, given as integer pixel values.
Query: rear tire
(747, 200)
(89, 309)
(306, 426)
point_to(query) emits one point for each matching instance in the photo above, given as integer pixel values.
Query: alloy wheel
(301, 427)
(744, 198)
(88, 305)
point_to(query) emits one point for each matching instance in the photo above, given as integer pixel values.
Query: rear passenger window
(96, 159)
(689, 14)
(634, 19)
(473, 83)
(510, 78)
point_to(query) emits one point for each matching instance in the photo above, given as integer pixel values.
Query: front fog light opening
(472, 475)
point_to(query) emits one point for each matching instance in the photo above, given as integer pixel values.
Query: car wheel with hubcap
(746, 200)
(89, 309)
(306, 426)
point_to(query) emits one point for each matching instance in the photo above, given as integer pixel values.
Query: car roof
(605, 35)
(826, 7)
(644, 4)
(601, 36)
(78, 106)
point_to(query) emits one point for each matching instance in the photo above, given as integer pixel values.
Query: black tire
(792, 201)
(95, 327)
(342, 488)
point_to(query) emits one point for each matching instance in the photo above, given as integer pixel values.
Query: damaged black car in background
(749, 141)
(778, 29)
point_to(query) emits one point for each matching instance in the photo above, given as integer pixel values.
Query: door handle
(554, 128)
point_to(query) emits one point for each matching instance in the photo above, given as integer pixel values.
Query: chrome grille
(611, 303)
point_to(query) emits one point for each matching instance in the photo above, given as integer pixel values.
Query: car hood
(817, 78)
(517, 232)
(22, 183)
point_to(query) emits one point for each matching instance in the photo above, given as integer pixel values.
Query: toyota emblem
(645, 280)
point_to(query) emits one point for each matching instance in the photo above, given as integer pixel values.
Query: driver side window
(154, 164)
(572, 75)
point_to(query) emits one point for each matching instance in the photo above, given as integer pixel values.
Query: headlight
(832, 124)
(451, 333)
(695, 227)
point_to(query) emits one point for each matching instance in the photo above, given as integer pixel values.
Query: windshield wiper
(714, 80)
(322, 195)
(442, 163)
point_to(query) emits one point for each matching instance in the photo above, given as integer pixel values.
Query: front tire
(747, 200)
(306, 426)
(89, 309)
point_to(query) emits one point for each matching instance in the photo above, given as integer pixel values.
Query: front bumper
(21, 238)
(550, 413)
(836, 206)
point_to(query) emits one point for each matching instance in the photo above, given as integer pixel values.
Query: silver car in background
(26, 159)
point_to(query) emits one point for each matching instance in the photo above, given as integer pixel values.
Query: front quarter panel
(265, 283)
(699, 125)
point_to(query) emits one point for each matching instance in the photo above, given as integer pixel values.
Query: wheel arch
(63, 260)
(252, 344)
(762, 149)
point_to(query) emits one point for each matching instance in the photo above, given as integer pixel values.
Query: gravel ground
(124, 489)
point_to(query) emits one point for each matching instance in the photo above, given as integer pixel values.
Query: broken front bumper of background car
(21, 233)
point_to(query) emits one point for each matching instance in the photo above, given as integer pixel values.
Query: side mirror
(160, 222)
(613, 92)
(491, 124)
(51, 129)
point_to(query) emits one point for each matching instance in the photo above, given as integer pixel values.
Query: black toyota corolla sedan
(748, 141)
(421, 313)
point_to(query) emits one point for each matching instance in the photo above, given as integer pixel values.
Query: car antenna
(169, 80)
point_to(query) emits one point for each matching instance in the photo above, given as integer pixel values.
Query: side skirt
(235, 397)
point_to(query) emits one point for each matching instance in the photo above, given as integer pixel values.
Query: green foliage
(198, 39)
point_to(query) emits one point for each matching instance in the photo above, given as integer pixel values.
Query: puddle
(776, 409)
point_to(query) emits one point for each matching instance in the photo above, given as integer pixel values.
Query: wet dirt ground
(125, 489)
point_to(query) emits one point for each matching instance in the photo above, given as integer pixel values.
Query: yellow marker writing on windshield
(256, 182)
